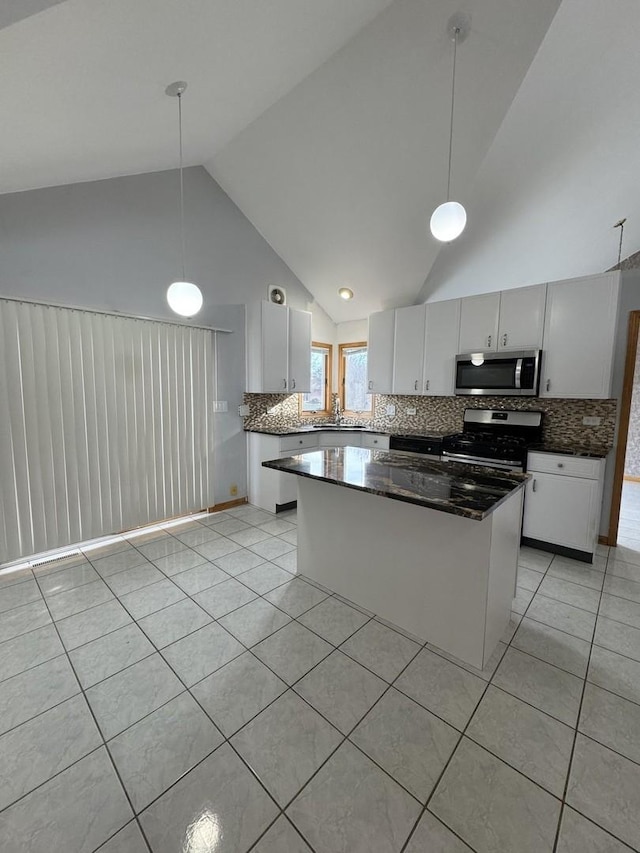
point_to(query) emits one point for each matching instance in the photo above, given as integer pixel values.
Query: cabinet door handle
(415, 385)
(548, 385)
(489, 340)
(371, 385)
(560, 464)
(533, 485)
(293, 383)
(284, 383)
(504, 340)
(426, 385)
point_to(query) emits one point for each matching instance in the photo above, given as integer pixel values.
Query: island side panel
(423, 570)
(506, 524)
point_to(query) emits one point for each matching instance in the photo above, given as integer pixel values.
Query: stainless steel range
(497, 438)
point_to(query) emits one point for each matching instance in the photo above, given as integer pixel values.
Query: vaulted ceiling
(327, 124)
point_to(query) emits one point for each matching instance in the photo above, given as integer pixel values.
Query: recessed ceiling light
(345, 292)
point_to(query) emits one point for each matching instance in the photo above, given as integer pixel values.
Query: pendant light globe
(448, 221)
(185, 298)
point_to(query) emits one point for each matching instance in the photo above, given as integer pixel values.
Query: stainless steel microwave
(499, 374)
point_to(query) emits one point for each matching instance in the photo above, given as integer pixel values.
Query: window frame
(327, 411)
(363, 415)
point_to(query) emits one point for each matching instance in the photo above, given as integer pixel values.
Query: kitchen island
(430, 546)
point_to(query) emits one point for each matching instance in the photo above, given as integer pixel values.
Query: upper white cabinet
(521, 318)
(441, 347)
(380, 352)
(509, 320)
(579, 333)
(299, 350)
(479, 323)
(278, 349)
(408, 359)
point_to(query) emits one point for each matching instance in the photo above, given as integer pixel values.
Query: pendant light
(448, 220)
(184, 297)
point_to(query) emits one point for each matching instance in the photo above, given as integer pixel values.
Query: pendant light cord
(181, 185)
(620, 225)
(453, 99)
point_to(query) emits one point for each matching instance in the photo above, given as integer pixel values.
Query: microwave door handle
(518, 374)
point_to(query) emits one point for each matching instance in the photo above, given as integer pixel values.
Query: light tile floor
(182, 690)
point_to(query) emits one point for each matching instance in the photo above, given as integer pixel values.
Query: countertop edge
(471, 514)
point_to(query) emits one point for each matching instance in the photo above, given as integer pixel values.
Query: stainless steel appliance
(497, 438)
(514, 374)
(424, 444)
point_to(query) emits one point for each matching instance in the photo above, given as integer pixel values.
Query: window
(353, 380)
(318, 400)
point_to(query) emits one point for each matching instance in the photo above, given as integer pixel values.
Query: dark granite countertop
(304, 429)
(571, 450)
(429, 433)
(466, 490)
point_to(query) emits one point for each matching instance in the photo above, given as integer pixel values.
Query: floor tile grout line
(100, 734)
(576, 730)
(463, 734)
(262, 595)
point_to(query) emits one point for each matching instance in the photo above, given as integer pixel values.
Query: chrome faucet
(337, 411)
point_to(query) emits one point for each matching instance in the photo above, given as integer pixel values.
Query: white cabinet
(380, 352)
(408, 360)
(562, 501)
(299, 350)
(522, 318)
(332, 438)
(270, 489)
(375, 441)
(479, 323)
(579, 333)
(441, 347)
(509, 320)
(278, 349)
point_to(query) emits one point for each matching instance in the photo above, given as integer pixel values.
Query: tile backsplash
(562, 418)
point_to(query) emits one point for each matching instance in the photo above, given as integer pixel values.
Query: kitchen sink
(337, 428)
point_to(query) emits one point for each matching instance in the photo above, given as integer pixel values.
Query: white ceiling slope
(83, 92)
(565, 165)
(16, 10)
(342, 174)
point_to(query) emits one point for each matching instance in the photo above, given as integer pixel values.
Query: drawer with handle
(298, 442)
(376, 442)
(568, 466)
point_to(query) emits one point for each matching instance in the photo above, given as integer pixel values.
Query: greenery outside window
(354, 400)
(318, 401)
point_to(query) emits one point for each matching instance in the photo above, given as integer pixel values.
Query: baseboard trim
(629, 478)
(573, 553)
(603, 540)
(228, 505)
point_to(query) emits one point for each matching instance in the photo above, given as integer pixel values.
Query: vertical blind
(105, 424)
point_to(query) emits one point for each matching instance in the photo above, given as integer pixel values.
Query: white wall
(114, 245)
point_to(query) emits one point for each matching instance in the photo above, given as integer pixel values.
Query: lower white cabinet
(270, 489)
(563, 500)
(375, 441)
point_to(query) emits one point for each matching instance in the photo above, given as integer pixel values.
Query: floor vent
(55, 559)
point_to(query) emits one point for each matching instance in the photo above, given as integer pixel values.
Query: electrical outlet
(233, 489)
(410, 411)
(391, 410)
(220, 406)
(591, 421)
(243, 411)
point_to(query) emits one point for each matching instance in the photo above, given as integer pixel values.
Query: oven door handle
(518, 374)
(463, 459)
